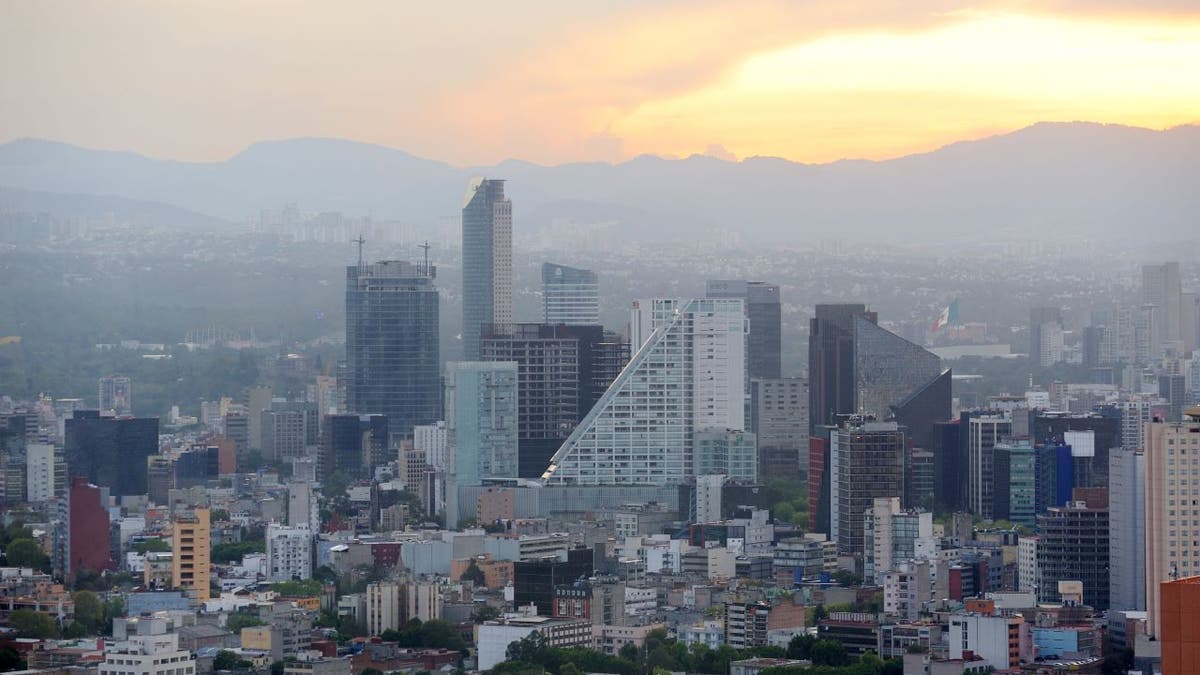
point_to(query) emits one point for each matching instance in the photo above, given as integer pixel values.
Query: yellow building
(191, 561)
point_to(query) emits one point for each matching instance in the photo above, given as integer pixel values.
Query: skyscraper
(866, 462)
(392, 343)
(1127, 539)
(570, 296)
(764, 343)
(353, 445)
(481, 425)
(983, 432)
(1161, 287)
(558, 382)
(856, 367)
(1073, 545)
(116, 396)
(111, 452)
(687, 374)
(779, 420)
(487, 261)
(1044, 324)
(1171, 485)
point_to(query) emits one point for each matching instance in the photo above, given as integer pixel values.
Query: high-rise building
(1172, 388)
(728, 452)
(81, 535)
(866, 462)
(431, 440)
(255, 400)
(111, 451)
(481, 425)
(289, 429)
(1090, 436)
(557, 383)
(487, 261)
(1045, 323)
(983, 431)
(856, 367)
(892, 535)
(779, 420)
(764, 341)
(44, 473)
(687, 374)
(302, 504)
(570, 296)
(1161, 287)
(1127, 539)
(289, 552)
(1073, 546)
(192, 548)
(534, 581)
(116, 396)
(392, 343)
(1172, 524)
(353, 445)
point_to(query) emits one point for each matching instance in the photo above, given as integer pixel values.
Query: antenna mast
(360, 241)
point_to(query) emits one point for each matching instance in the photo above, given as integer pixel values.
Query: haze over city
(719, 338)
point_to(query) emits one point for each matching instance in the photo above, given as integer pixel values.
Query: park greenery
(662, 653)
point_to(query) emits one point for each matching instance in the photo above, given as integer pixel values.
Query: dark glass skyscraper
(392, 358)
(110, 451)
(764, 343)
(353, 445)
(487, 261)
(560, 374)
(831, 363)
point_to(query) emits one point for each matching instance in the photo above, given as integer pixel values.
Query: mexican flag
(948, 315)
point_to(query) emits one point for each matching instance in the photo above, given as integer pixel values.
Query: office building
(922, 410)
(487, 261)
(707, 503)
(557, 383)
(687, 374)
(998, 640)
(779, 421)
(255, 400)
(192, 548)
(82, 513)
(866, 462)
(570, 296)
(856, 367)
(892, 535)
(764, 342)
(481, 426)
(1073, 545)
(289, 552)
(110, 451)
(289, 430)
(1172, 524)
(431, 440)
(984, 430)
(1045, 335)
(302, 504)
(116, 396)
(353, 445)
(1090, 436)
(392, 343)
(730, 452)
(534, 581)
(1127, 538)
(1162, 289)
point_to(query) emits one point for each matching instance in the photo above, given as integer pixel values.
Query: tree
(236, 622)
(474, 575)
(371, 671)
(113, 608)
(277, 667)
(25, 552)
(846, 578)
(10, 660)
(529, 649)
(829, 653)
(154, 545)
(486, 613)
(227, 660)
(89, 611)
(630, 652)
(31, 624)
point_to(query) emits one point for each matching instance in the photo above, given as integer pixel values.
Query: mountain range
(1066, 180)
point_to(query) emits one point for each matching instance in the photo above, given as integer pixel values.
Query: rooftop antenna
(360, 241)
(425, 247)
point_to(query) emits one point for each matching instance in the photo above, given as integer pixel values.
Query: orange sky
(551, 81)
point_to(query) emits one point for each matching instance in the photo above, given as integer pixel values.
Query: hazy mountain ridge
(1074, 179)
